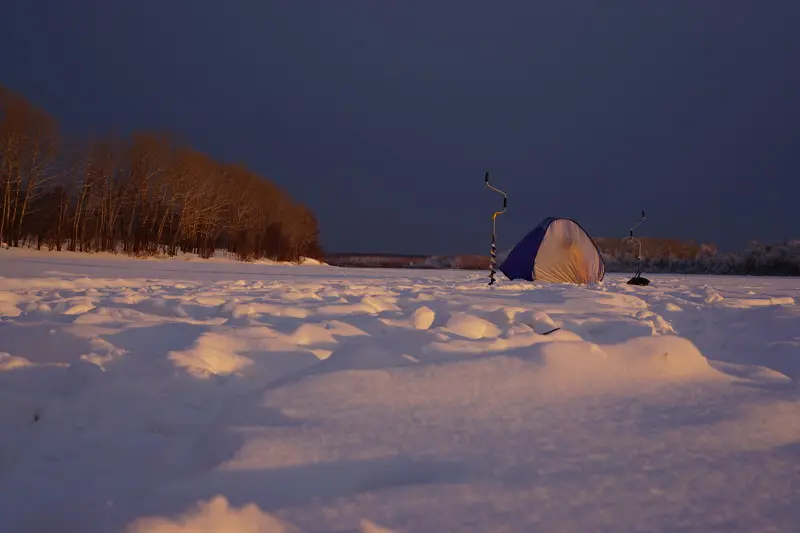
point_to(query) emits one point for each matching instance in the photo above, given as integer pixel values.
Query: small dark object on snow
(36, 417)
(551, 331)
(638, 280)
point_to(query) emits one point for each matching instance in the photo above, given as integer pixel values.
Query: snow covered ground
(172, 396)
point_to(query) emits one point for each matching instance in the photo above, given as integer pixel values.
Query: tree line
(658, 255)
(673, 256)
(143, 194)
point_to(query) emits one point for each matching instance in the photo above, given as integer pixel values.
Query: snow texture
(185, 397)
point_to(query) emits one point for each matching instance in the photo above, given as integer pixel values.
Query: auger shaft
(493, 252)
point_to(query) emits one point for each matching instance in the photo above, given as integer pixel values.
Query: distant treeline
(672, 256)
(658, 256)
(378, 260)
(141, 195)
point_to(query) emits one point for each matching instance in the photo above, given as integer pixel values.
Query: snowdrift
(271, 398)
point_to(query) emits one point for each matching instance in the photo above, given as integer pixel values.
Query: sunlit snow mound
(215, 515)
(218, 516)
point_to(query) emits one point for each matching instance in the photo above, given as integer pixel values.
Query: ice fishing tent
(557, 250)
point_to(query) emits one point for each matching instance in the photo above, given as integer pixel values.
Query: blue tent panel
(519, 263)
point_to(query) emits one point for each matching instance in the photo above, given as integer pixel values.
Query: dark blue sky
(383, 116)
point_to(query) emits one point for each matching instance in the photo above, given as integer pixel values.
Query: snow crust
(185, 397)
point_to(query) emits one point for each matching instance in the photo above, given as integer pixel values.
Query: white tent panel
(567, 255)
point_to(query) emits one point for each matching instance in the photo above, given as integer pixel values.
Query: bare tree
(143, 194)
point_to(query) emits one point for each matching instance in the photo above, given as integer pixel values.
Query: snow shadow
(540, 295)
(791, 450)
(278, 488)
(613, 483)
(82, 447)
(606, 330)
(569, 482)
(648, 419)
(173, 308)
(156, 340)
(757, 377)
(734, 337)
(391, 349)
(764, 337)
(42, 343)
